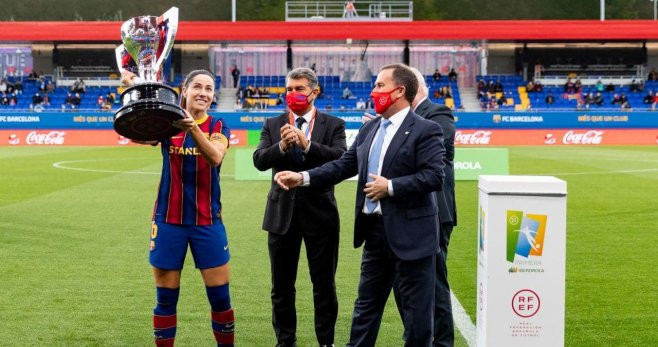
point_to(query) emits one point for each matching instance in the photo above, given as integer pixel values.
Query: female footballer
(188, 212)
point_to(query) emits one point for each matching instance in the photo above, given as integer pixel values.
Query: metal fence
(349, 10)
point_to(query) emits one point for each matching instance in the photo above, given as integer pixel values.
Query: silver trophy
(150, 106)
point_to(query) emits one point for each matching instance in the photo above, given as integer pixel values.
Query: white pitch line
(600, 172)
(62, 165)
(462, 321)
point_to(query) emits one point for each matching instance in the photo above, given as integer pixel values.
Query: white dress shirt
(308, 117)
(396, 121)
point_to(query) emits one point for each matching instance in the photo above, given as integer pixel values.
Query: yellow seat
(271, 102)
(519, 107)
(450, 102)
(521, 89)
(510, 102)
(498, 95)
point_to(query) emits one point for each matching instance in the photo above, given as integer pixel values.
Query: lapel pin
(406, 133)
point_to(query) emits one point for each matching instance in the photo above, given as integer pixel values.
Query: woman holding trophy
(188, 211)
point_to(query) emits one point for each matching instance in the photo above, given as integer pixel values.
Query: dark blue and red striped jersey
(189, 192)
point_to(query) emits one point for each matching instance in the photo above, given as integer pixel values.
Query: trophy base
(147, 114)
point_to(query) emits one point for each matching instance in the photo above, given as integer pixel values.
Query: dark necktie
(299, 154)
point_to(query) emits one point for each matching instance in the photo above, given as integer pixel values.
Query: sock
(221, 314)
(164, 316)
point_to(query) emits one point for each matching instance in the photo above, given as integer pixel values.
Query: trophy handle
(168, 22)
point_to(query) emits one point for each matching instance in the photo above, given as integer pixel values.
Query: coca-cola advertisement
(463, 137)
(589, 137)
(45, 137)
(472, 137)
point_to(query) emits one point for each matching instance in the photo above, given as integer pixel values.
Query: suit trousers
(322, 256)
(379, 269)
(444, 330)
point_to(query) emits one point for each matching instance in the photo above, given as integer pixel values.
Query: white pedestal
(521, 261)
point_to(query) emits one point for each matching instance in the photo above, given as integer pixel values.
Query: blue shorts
(169, 242)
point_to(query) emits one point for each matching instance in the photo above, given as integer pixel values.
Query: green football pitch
(75, 223)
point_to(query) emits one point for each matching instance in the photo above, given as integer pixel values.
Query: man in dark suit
(236, 76)
(300, 140)
(442, 115)
(399, 161)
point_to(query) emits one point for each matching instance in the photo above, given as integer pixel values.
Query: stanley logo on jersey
(183, 150)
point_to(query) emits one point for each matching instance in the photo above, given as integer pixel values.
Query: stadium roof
(499, 30)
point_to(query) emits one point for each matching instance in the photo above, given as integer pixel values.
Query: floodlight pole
(654, 9)
(602, 10)
(233, 10)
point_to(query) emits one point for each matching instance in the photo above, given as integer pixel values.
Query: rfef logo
(525, 234)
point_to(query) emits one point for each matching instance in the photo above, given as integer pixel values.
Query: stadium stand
(332, 89)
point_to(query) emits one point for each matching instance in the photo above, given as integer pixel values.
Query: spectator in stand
(655, 101)
(46, 100)
(491, 87)
(349, 10)
(250, 91)
(238, 105)
(369, 104)
(78, 86)
(653, 75)
(550, 100)
(648, 99)
(4, 99)
(360, 105)
(42, 84)
(3, 86)
(598, 99)
(502, 101)
(610, 87)
(482, 87)
(447, 92)
(452, 75)
(347, 93)
(538, 87)
(100, 102)
(640, 86)
(33, 76)
(623, 99)
(578, 86)
(616, 100)
(599, 86)
(50, 86)
(633, 87)
(530, 87)
(68, 102)
(589, 100)
(498, 87)
(626, 105)
(13, 100)
(569, 86)
(75, 101)
(279, 100)
(18, 86)
(109, 98)
(437, 75)
(37, 99)
(236, 76)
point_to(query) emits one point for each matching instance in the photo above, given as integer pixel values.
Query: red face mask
(297, 102)
(382, 100)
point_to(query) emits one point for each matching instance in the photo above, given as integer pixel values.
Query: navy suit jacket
(446, 197)
(414, 164)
